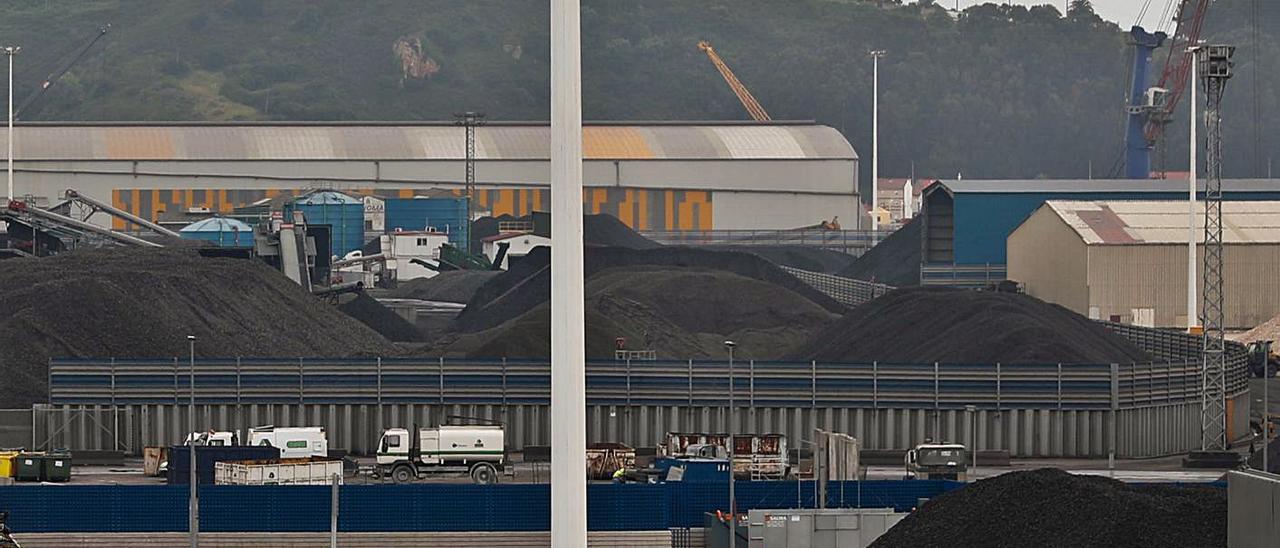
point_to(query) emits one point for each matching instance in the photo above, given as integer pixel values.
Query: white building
(402, 247)
(521, 243)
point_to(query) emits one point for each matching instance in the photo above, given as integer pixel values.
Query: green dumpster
(27, 466)
(56, 467)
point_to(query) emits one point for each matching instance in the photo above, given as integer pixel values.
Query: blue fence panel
(265, 508)
(95, 508)
(438, 507)
(627, 507)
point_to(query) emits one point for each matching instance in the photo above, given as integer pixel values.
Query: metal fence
(853, 242)
(956, 275)
(846, 291)
(115, 382)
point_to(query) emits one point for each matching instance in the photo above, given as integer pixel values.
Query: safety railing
(853, 242)
(846, 291)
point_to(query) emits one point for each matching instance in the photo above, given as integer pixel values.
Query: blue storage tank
(443, 214)
(343, 213)
(220, 230)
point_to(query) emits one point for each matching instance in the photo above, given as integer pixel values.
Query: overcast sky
(1123, 12)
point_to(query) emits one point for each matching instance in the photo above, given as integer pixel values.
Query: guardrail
(662, 383)
(954, 275)
(853, 242)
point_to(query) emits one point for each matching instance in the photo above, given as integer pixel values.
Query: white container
(314, 472)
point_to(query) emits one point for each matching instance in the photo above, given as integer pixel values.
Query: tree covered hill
(998, 91)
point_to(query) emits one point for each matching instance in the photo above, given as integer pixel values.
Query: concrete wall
(1050, 260)
(1253, 509)
(15, 428)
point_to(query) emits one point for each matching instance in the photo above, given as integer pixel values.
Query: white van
(293, 442)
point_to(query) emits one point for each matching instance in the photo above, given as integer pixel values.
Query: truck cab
(937, 461)
(211, 438)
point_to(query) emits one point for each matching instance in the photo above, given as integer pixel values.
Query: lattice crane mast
(749, 101)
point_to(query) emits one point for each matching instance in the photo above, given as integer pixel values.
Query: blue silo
(220, 230)
(344, 214)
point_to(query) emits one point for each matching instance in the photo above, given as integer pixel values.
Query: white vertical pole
(1192, 318)
(875, 141)
(193, 502)
(568, 360)
(10, 52)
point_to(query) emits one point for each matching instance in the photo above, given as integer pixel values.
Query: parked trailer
(478, 451)
(308, 471)
(755, 456)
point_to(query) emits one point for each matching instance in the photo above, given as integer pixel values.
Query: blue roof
(327, 197)
(218, 224)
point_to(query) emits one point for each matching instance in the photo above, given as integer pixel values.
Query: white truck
(931, 460)
(478, 451)
(294, 442)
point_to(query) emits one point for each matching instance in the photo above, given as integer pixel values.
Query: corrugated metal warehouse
(968, 222)
(1126, 261)
(656, 176)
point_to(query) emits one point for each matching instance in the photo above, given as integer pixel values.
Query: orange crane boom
(749, 101)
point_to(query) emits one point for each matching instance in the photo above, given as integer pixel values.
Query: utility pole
(733, 509)
(470, 120)
(1214, 70)
(875, 138)
(568, 359)
(193, 502)
(1192, 317)
(11, 51)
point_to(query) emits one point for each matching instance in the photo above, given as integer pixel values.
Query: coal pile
(924, 325)
(894, 261)
(1050, 508)
(372, 313)
(677, 312)
(142, 303)
(812, 259)
(597, 230)
(453, 286)
(528, 283)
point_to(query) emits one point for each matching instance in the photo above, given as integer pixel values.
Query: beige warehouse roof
(420, 141)
(1122, 222)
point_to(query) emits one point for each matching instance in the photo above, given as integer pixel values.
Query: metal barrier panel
(1253, 509)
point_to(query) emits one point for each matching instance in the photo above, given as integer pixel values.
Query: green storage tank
(27, 466)
(56, 467)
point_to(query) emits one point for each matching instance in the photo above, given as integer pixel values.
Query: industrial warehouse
(414, 299)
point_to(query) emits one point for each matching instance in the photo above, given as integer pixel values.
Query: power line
(1142, 13)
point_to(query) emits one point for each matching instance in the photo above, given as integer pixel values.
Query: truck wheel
(402, 474)
(484, 473)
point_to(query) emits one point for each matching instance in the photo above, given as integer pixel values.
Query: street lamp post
(972, 411)
(11, 51)
(875, 138)
(1192, 316)
(193, 501)
(733, 508)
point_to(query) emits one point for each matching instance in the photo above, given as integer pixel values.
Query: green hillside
(998, 92)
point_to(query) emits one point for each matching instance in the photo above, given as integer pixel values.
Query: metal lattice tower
(470, 120)
(1215, 69)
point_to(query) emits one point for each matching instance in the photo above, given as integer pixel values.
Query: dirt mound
(372, 313)
(454, 286)
(812, 259)
(1051, 508)
(1267, 331)
(894, 261)
(923, 325)
(144, 302)
(528, 283)
(678, 312)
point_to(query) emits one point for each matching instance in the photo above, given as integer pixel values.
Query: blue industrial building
(343, 213)
(222, 231)
(445, 214)
(967, 222)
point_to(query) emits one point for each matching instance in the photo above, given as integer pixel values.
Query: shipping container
(208, 456)
(447, 215)
(308, 471)
(7, 463)
(342, 213)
